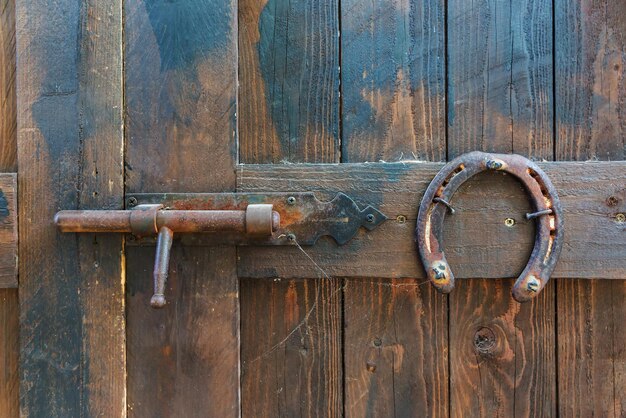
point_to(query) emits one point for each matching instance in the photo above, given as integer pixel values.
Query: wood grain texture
(181, 91)
(502, 356)
(291, 348)
(396, 349)
(9, 308)
(500, 94)
(8, 146)
(500, 77)
(8, 97)
(289, 104)
(589, 79)
(392, 73)
(393, 89)
(289, 78)
(590, 93)
(181, 359)
(591, 341)
(8, 230)
(478, 244)
(70, 147)
(181, 101)
(9, 353)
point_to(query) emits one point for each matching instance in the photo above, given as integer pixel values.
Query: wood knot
(484, 340)
(370, 366)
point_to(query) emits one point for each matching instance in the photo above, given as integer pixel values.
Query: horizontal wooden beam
(478, 242)
(8, 230)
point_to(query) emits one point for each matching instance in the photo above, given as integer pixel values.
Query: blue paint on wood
(390, 52)
(298, 55)
(54, 359)
(4, 205)
(186, 30)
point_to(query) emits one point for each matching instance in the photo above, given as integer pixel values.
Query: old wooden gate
(119, 98)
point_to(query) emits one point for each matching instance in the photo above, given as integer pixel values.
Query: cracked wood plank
(289, 105)
(500, 94)
(590, 92)
(9, 307)
(70, 152)
(181, 102)
(394, 99)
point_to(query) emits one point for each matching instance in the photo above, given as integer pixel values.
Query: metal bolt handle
(548, 212)
(258, 220)
(161, 266)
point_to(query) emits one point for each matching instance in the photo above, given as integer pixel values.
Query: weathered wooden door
(121, 97)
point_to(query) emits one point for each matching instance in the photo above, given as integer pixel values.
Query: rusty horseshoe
(548, 213)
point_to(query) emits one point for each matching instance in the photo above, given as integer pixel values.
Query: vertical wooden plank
(590, 92)
(289, 78)
(8, 105)
(590, 88)
(396, 340)
(501, 352)
(9, 350)
(500, 99)
(392, 73)
(181, 90)
(291, 348)
(70, 149)
(500, 77)
(289, 101)
(9, 309)
(592, 362)
(396, 349)
(183, 359)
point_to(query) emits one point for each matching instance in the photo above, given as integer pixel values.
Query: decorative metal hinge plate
(303, 218)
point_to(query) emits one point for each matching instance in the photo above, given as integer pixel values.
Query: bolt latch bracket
(302, 216)
(223, 218)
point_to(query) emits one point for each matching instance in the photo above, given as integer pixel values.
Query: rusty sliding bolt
(146, 221)
(258, 220)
